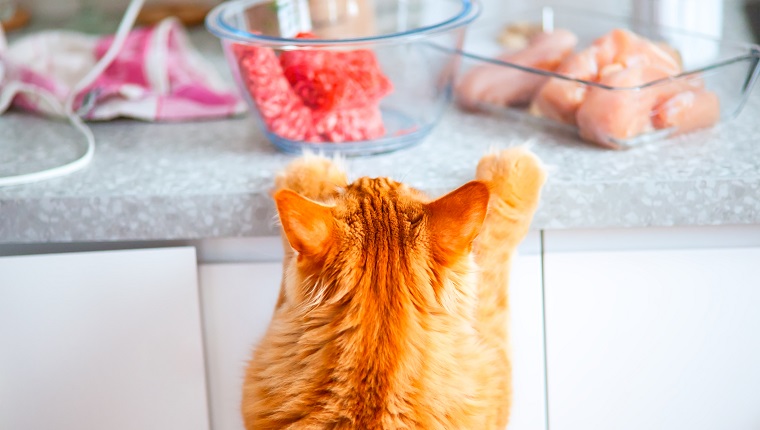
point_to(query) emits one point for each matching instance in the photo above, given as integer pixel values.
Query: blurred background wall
(735, 19)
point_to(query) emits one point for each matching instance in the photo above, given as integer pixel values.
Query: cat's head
(380, 237)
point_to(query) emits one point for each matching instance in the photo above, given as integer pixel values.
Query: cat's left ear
(307, 224)
(456, 218)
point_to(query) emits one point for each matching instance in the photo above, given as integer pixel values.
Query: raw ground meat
(315, 95)
(347, 125)
(280, 108)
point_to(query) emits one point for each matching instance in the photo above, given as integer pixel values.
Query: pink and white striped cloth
(156, 76)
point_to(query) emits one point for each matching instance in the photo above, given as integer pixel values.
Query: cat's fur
(393, 310)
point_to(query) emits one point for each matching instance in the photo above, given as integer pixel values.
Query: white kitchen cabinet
(528, 371)
(652, 339)
(238, 301)
(101, 340)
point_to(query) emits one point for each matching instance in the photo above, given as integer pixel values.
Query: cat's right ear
(307, 224)
(456, 218)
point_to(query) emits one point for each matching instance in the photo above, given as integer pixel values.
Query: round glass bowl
(355, 77)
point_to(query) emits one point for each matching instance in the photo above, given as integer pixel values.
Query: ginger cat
(394, 309)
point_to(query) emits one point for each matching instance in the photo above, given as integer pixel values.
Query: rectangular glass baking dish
(727, 70)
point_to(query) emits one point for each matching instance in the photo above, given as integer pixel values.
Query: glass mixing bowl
(356, 77)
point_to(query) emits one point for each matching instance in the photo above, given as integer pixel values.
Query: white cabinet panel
(238, 301)
(653, 339)
(101, 340)
(526, 302)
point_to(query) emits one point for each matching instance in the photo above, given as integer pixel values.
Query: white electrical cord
(11, 91)
(14, 88)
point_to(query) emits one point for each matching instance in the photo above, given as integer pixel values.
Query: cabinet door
(527, 332)
(238, 301)
(101, 340)
(653, 339)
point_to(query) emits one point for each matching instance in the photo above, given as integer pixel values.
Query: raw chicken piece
(622, 113)
(627, 48)
(505, 86)
(560, 99)
(688, 111)
(628, 112)
(670, 88)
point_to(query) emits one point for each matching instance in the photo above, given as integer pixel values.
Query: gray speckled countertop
(211, 179)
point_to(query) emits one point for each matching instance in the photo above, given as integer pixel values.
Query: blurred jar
(327, 19)
(335, 19)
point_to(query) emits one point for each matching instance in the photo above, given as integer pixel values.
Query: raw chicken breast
(505, 86)
(623, 113)
(688, 111)
(628, 49)
(560, 99)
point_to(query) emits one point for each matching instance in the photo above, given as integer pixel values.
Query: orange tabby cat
(393, 310)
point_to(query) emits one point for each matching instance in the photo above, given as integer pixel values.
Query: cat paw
(515, 175)
(312, 176)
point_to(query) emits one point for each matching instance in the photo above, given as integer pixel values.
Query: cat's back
(291, 385)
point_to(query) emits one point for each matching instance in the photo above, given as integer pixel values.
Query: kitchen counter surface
(211, 179)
